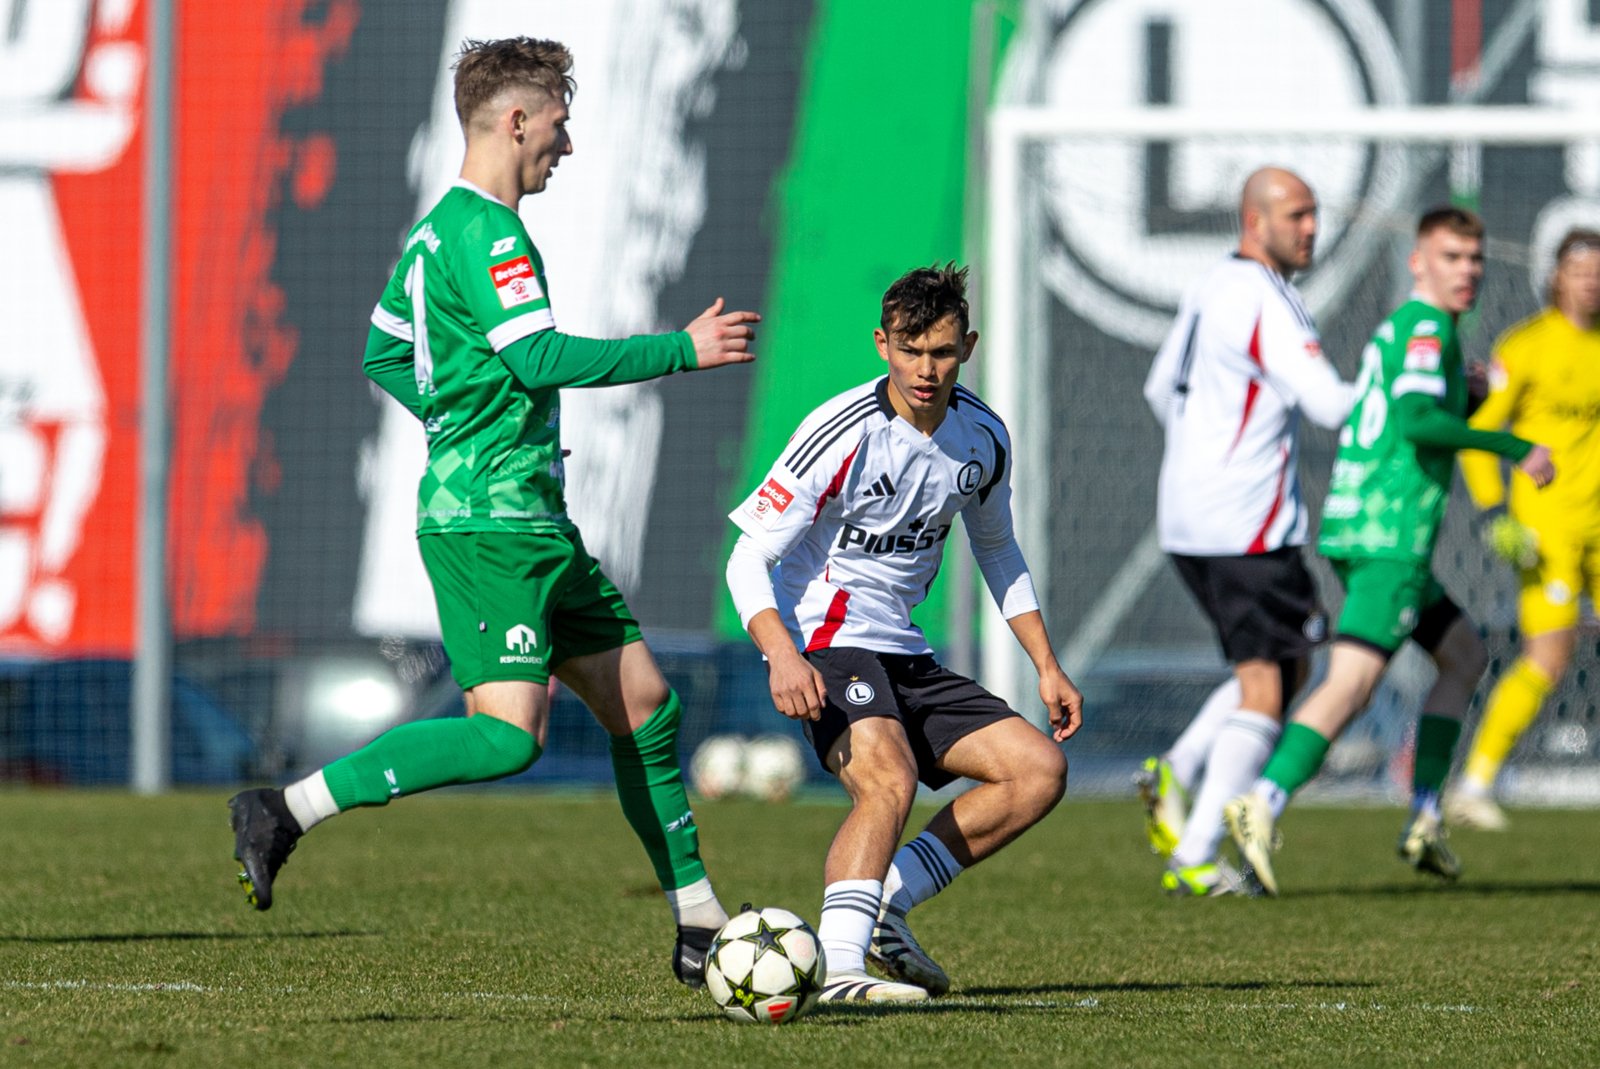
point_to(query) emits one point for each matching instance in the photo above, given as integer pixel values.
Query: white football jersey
(857, 510)
(1241, 363)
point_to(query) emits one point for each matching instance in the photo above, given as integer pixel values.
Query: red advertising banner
(72, 91)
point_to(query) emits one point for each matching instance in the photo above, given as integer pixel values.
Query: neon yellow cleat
(1166, 805)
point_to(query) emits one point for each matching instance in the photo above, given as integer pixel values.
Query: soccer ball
(766, 966)
(717, 767)
(774, 765)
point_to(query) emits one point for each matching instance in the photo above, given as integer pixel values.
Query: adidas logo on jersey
(882, 488)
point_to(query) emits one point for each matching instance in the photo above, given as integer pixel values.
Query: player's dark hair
(484, 68)
(1459, 221)
(1578, 239)
(920, 298)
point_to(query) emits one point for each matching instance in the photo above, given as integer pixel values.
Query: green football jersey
(468, 284)
(1387, 495)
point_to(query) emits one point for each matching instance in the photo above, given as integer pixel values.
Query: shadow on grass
(854, 1014)
(1141, 985)
(1471, 888)
(179, 937)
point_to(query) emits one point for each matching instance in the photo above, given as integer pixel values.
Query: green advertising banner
(876, 185)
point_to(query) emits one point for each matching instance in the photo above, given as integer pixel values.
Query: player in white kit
(1242, 363)
(854, 515)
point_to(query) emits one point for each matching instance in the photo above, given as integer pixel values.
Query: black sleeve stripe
(823, 446)
(999, 467)
(1291, 298)
(830, 423)
(807, 451)
(972, 399)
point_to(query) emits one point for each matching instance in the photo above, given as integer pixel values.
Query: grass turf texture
(523, 928)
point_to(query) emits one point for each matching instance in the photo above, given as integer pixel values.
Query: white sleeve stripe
(1412, 382)
(391, 324)
(520, 327)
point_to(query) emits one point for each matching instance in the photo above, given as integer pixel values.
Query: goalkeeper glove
(1508, 537)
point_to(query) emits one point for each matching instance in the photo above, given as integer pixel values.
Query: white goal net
(1095, 224)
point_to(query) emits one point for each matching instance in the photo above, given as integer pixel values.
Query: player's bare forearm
(1061, 697)
(797, 689)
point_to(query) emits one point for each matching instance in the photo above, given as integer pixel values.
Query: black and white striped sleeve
(808, 474)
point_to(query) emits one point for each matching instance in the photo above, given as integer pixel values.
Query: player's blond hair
(485, 68)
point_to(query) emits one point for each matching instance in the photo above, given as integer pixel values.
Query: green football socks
(650, 787)
(1298, 758)
(425, 754)
(1436, 746)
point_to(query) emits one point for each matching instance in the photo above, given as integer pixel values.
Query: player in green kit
(1391, 482)
(464, 337)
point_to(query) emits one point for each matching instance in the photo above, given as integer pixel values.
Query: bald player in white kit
(1241, 365)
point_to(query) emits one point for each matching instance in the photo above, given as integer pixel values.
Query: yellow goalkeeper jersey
(1544, 383)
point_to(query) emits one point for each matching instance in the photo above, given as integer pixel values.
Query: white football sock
(310, 801)
(1276, 797)
(849, 913)
(1188, 755)
(920, 869)
(1237, 758)
(695, 905)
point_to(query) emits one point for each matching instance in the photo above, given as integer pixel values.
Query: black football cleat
(689, 955)
(264, 835)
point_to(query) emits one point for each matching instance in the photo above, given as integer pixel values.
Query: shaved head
(1277, 220)
(1267, 185)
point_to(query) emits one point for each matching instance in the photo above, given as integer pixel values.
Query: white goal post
(1405, 150)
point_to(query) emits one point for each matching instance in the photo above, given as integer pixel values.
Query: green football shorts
(514, 606)
(1385, 600)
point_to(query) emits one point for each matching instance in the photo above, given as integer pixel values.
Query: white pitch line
(186, 987)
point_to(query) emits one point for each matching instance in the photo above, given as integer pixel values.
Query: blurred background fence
(794, 158)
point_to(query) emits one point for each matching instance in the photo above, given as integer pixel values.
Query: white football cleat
(859, 987)
(896, 951)
(1254, 832)
(1479, 812)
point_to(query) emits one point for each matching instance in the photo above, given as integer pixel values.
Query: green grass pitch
(523, 928)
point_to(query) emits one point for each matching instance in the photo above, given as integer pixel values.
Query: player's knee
(889, 782)
(1046, 775)
(506, 747)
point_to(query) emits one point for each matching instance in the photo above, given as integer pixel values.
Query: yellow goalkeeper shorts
(1569, 565)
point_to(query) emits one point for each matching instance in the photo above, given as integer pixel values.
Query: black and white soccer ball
(765, 966)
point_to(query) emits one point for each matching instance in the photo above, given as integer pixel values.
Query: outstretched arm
(552, 359)
(1422, 421)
